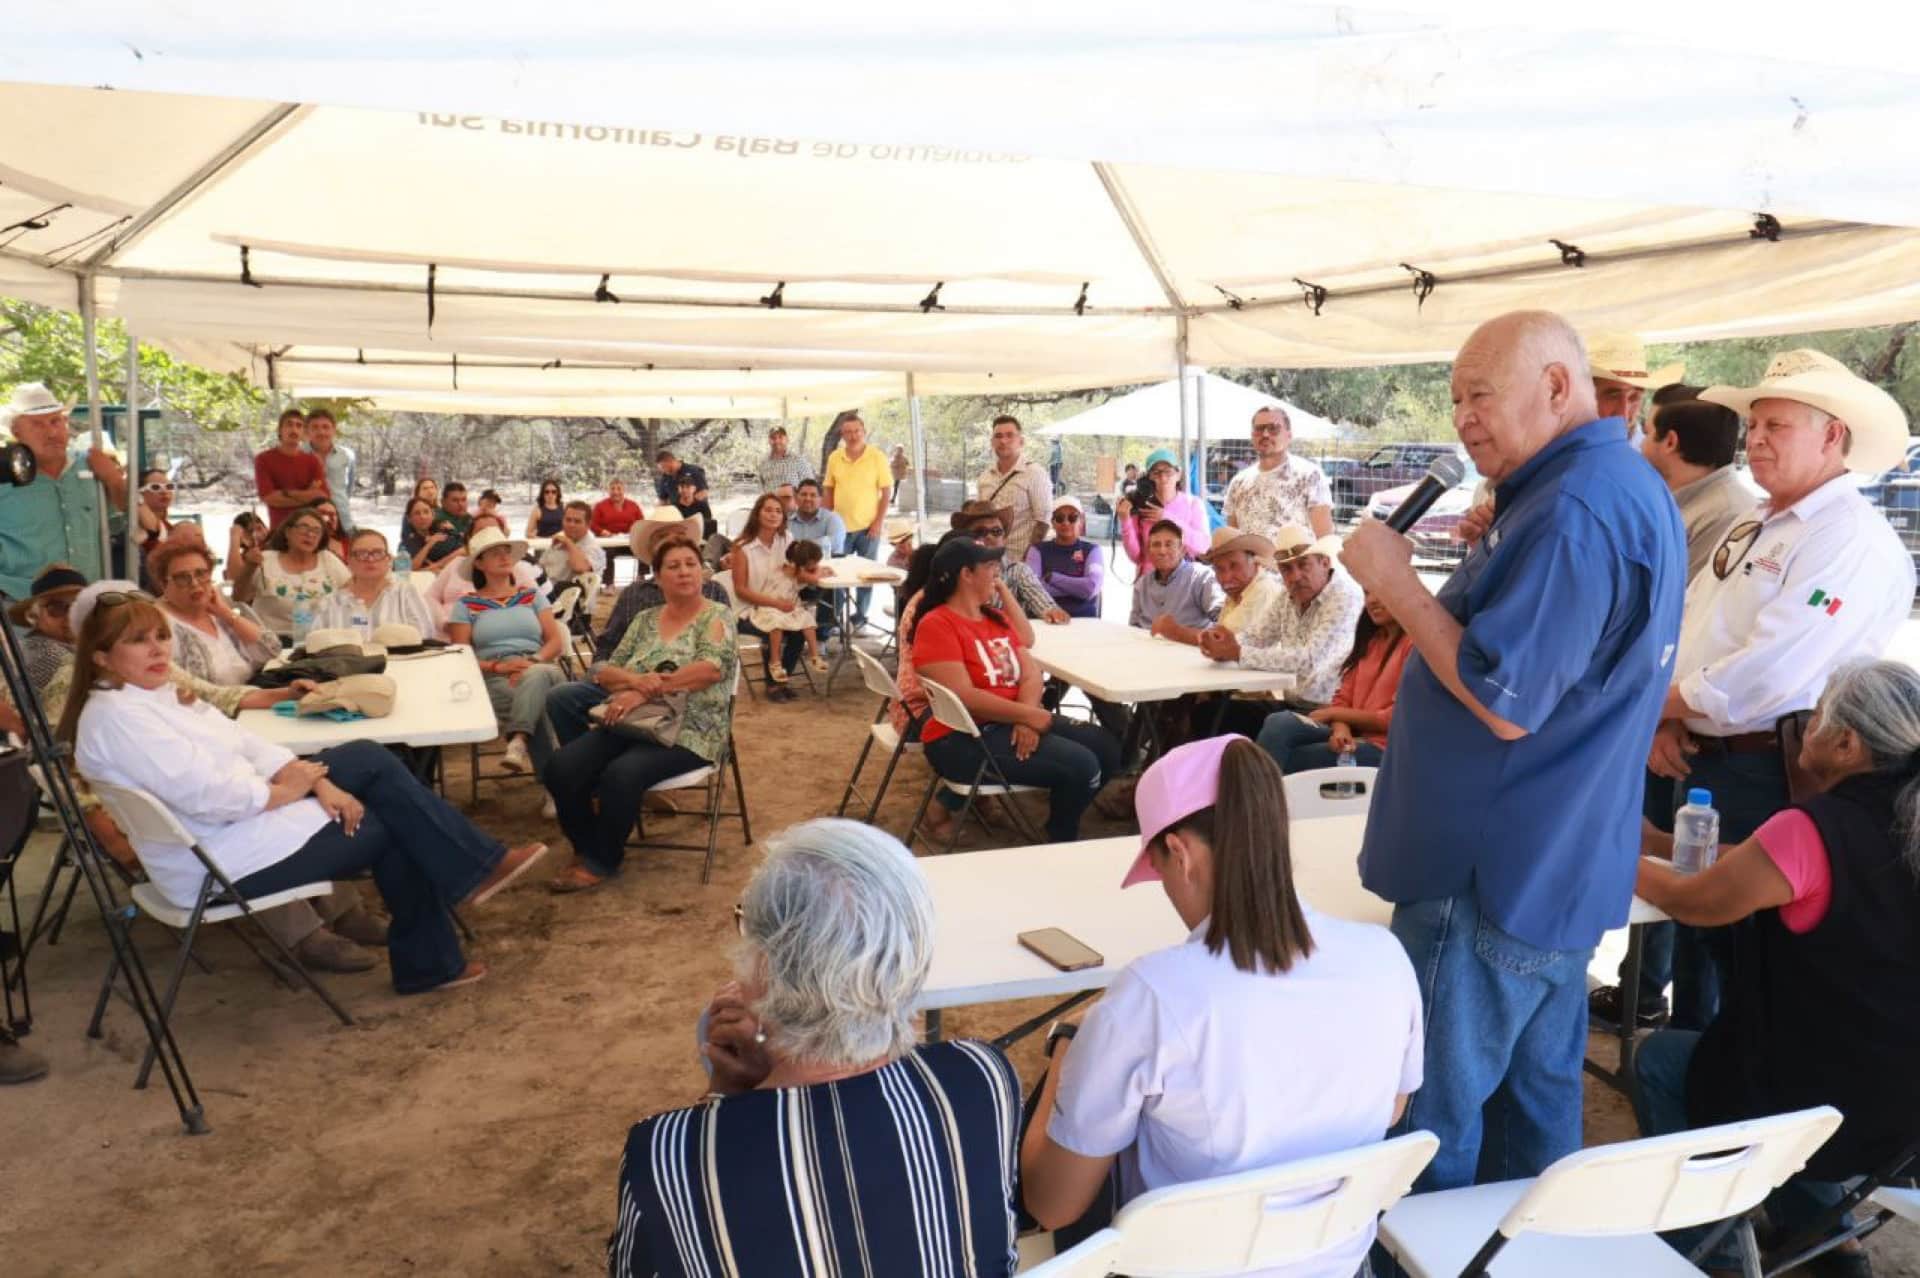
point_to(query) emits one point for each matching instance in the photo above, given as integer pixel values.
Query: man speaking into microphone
(1505, 825)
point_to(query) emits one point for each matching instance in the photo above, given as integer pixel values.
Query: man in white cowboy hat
(1812, 579)
(56, 518)
(1240, 563)
(1279, 488)
(1308, 634)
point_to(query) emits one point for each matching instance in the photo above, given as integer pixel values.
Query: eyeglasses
(1069, 518)
(1266, 428)
(369, 556)
(191, 577)
(156, 488)
(1734, 547)
(114, 598)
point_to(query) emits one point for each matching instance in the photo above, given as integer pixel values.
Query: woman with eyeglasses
(373, 596)
(156, 498)
(548, 514)
(220, 641)
(296, 572)
(268, 820)
(46, 639)
(1168, 500)
(1067, 564)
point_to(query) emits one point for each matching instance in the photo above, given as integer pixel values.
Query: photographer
(1161, 494)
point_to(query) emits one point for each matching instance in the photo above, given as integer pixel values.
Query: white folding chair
(146, 820)
(713, 778)
(1904, 1203)
(882, 732)
(566, 605)
(988, 781)
(1595, 1213)
(1330, 792)
(1254, 1220)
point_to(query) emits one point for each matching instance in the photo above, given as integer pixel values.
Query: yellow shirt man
(857, 487)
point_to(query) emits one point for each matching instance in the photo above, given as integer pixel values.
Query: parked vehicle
(1434, 541)
(1388, 466)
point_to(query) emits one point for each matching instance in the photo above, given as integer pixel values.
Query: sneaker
(323, 951)
(516, 758)
(817, 664)
(548, 810)
(777, 673)
(19, 1064)
(1603, 1005)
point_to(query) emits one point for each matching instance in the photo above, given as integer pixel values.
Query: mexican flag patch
(1827, 603)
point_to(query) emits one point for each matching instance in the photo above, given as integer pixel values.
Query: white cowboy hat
(1293, 541)
(1226, 540)
(30, 399)
(1878, 423)
(1622, 357)
(898, 530)
(489, 537)
(666, 519)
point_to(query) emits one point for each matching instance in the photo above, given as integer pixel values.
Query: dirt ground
(477, 1132)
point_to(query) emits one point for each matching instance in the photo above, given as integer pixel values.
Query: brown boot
(323, 951)
(19, 1064)
(362, 927)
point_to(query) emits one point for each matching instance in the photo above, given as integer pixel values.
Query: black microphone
(1446, 472)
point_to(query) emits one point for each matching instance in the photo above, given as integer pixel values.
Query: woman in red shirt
(962, 641)
(1355, 721)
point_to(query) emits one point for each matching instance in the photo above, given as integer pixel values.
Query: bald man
(1506, 825)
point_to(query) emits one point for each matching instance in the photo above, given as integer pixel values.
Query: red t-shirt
(275, 472)
(614, 519)
(988, 648)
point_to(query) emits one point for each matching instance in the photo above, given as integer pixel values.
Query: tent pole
(918, 446)
(1180, 376)
(133, 457)
(88, 326)
(1200, 428)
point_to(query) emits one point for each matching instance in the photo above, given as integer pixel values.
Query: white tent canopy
(236, 229)
(1153, 412)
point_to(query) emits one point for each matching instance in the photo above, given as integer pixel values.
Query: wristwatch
(1060, 1030)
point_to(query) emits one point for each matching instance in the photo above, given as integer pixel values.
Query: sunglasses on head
(114, 598)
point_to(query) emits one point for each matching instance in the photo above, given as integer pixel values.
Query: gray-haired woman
(844, 1148)
(1823, 962)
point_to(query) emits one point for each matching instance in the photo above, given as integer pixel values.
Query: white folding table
(439, 699)
(1129, 665)
(843, 575)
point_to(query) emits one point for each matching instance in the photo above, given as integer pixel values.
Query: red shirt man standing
(288, 477)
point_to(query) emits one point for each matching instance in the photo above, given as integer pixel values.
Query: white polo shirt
(1818, 584)
(1189, 1068)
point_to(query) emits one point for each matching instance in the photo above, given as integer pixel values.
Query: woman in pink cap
(1273, 1033)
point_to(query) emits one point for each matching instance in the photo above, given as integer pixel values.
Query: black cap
(965, 552)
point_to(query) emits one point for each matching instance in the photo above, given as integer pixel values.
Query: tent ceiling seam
(1136, 227)
(196, 182)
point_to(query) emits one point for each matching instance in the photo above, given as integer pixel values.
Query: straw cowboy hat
(1878, 424)
(489, 537)
(1228, 540)
(31, 399)
(1293, 542)
(1622, 357)
(899, 530)
(642, 537)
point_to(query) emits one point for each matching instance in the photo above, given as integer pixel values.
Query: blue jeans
(425, 857)
(1071, 762)
(861, 543)
(1660, 1069)
(1505, 1035)
(1299, 744)
(595, 764)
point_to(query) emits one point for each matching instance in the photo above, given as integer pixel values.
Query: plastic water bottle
(1696, 833)
(1346, 789)
(402, 565)
(302, 622)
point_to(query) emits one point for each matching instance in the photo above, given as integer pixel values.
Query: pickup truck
(1388, 466)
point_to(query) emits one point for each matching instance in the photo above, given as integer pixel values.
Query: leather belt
(1743, 743)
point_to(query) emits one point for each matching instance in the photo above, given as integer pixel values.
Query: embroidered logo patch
(1829, 604)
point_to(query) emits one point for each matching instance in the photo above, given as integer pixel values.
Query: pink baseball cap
(1181, 782)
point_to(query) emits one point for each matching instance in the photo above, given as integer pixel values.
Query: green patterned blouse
(708, 637)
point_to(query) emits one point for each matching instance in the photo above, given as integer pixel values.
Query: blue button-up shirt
(826, 528)
(52, 521)
(339, 464)
(1571, 611)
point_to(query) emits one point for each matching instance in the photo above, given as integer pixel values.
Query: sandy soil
(476, 1132)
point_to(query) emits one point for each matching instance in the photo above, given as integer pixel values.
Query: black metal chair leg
(165, 1011)
(886, 779)
(846, 796)
(740, 792)
(106, 993)
(300, 969)
(919, 814)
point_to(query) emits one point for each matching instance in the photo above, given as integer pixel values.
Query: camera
(1145, 493)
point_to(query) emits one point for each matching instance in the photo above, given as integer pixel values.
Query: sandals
(777, 673)
(575, 878)
(472, 973)
(514, 864)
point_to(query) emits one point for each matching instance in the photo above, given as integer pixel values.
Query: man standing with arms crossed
(858, 485)
(1506, 826)
(1812, 578)
(1018, 486)
(287, 475)
(1278, 489)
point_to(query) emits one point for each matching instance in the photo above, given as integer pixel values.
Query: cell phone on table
(1062, 949)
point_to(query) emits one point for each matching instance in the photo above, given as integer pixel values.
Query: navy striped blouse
(905, 1170)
